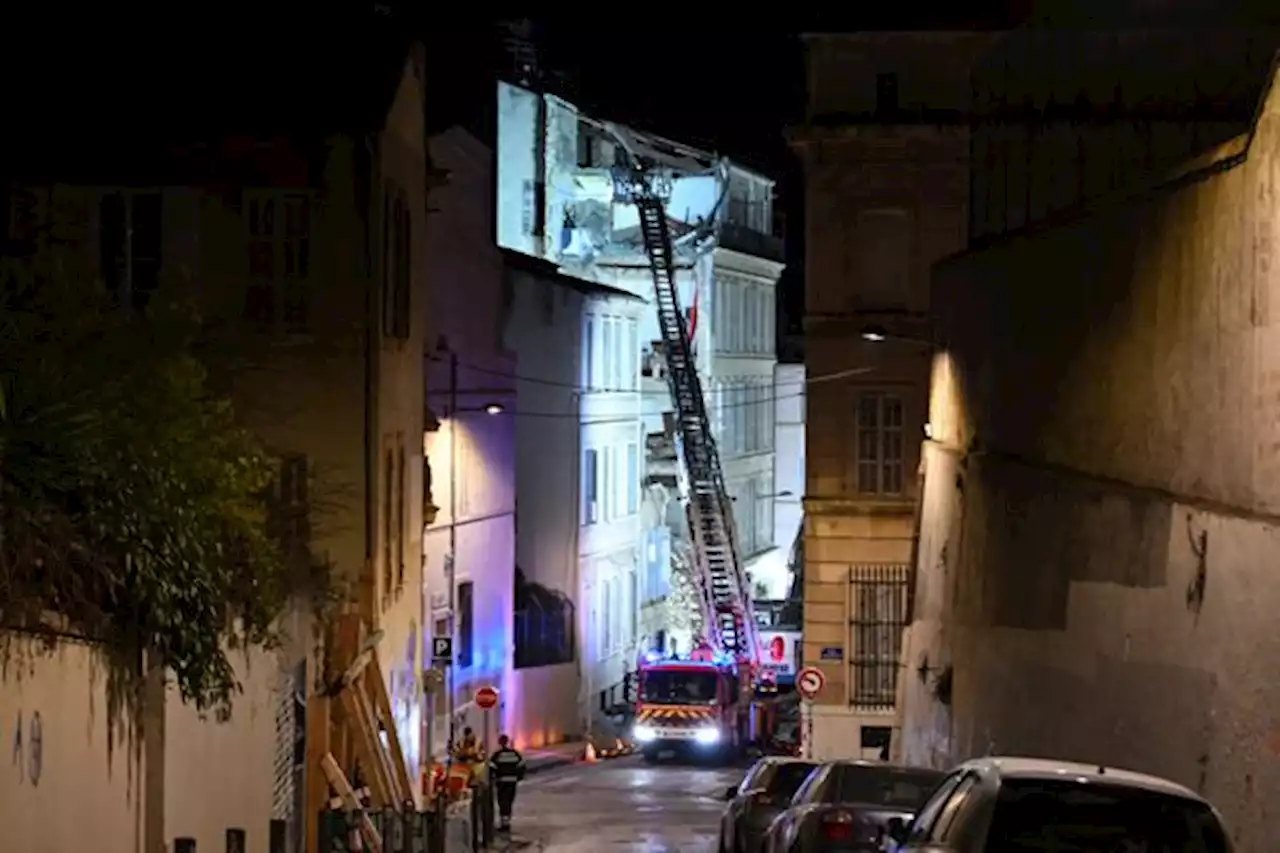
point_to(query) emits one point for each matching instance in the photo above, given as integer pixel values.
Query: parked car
(752, 805)
(851, 806)
(1029, 805)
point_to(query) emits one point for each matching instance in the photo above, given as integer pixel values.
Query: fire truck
(712, 699)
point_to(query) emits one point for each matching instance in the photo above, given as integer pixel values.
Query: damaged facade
(557, 203)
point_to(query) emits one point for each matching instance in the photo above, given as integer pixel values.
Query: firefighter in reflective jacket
(506, 768)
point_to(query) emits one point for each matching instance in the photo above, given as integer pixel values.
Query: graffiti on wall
(27, 748)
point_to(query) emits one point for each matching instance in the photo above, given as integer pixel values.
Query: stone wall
(1095, 572)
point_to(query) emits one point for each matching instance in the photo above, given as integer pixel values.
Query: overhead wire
(583, 389)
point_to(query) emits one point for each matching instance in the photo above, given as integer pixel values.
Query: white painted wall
(71, 788)
(610, 530)
(788, 476)
(472, 456)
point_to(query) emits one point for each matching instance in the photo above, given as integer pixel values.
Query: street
(624, 805)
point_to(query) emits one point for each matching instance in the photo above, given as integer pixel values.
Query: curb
(551, 763)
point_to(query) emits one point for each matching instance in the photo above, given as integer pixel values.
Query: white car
(1036, 805)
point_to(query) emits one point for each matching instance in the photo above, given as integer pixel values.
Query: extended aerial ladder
(723, 584)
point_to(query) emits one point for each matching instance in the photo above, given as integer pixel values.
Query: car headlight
(708, 735)
(644, 734)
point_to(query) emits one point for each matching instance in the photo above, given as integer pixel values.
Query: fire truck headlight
(644, 734)
(708, 735)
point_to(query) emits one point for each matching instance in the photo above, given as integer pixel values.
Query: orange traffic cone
(590, 755)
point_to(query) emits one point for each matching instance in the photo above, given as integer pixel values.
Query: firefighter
(506, 769)
(469, 749)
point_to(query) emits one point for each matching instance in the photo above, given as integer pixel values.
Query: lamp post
(454, 410)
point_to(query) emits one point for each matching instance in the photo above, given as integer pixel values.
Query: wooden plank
(317, 787)
(333, 773)
(367, 748)
(377, 688)
(367, 713)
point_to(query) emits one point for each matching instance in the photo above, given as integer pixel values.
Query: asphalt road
(623, 806)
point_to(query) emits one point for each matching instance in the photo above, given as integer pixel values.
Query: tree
(132, 507)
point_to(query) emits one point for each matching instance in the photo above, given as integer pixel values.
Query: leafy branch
(132, 505)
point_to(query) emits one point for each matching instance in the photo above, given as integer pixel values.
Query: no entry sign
(809, 682)
(486, 698)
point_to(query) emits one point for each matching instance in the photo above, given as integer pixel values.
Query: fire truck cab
(692, 707)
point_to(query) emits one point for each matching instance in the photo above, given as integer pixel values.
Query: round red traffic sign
(486, 698)
(810, 681)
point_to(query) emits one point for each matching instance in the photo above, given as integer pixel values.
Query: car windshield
(895, 787)
(1037, 816)
(788, 778)
(678, 687)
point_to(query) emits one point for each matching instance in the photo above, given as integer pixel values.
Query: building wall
(301, 389)
(787, 400)
(544, 328)
(399, 416)
(472, 456)
(886, 196)
(609, 536)
(55, 730)
(1095, 549)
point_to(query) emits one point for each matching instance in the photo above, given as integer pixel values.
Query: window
(881, 259)
(588, 353)
(633, 354)
(606, 355)
(879, 444)
(590, 488)
(633, 478)
(1047, 814)
(606, 617)
(388, 529)
(878, 599)
(931, 810)
(874, 785)
(401, 519)
(289, 516)
(279, 243)
(466, 623)
(620, 357)
(129, 244)
(606, 484)
(397, 268)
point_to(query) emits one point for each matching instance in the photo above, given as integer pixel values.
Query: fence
(878, 616)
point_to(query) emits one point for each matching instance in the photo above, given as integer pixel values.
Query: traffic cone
(590, 755)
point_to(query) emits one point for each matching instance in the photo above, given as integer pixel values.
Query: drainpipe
(582, 625)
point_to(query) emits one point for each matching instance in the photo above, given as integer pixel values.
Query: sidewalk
(550, 757)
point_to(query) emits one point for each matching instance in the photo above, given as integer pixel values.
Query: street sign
(486, 698)
(809, 682)
(442, 651)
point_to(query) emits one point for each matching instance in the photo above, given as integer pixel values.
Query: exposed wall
(1100, 517)
(53, 730)
(544, 328)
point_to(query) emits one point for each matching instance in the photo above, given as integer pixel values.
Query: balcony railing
(878, 617)
(544, 628)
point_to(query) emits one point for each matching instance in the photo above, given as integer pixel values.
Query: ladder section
(731, 624)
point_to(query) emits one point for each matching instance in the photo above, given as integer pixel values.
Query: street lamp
(491, 408)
